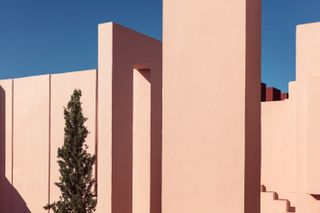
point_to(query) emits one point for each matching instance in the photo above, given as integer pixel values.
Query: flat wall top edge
(52, 74)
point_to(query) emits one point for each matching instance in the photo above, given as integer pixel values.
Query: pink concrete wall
(211, 106)
(305, 202)
(305, 163)
(104, 130)
(290, 130)
(307, 45)
(62, 86)
(313, 141)
(30, 142)
(32, 120)
(278, 157)
(120, 51)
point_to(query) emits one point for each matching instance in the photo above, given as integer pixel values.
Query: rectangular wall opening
(141, 162)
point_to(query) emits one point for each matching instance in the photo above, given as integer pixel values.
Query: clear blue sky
(48, 36)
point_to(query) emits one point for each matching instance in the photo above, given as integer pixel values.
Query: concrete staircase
(270, 202)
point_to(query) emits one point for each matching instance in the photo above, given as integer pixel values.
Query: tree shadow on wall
(10, 199)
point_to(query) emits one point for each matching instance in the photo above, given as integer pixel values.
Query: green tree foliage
(75, 164)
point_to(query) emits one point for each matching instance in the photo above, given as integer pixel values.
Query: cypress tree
(75, 164)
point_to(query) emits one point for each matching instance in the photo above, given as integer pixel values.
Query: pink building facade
(177, 126)
(290, 135)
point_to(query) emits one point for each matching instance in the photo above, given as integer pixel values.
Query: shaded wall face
(263, 92)
(273, 94)
(141, 135)
(6, 187)
(208, 135)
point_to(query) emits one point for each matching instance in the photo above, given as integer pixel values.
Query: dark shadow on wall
(10, 199)
(156, 137)
(155, 80)
(122, 104)
(122, 141)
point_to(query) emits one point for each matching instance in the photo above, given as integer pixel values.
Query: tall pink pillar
(211, 106)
